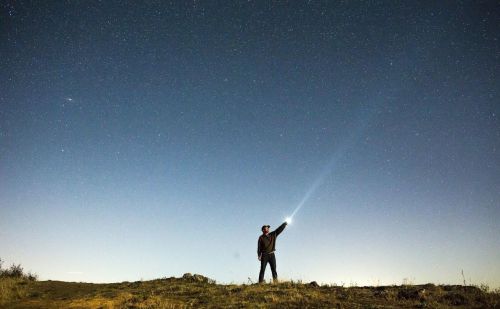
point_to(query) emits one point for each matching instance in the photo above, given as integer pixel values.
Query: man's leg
(263, 264)
(272, 262)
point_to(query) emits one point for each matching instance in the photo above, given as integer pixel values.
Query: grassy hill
(196, 291)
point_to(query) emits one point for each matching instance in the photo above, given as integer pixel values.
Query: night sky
(143, 139)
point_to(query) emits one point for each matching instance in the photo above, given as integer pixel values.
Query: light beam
(348, 142)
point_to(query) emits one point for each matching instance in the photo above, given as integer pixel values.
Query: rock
(314, 284)
(187, 276)
(200, 278)
(197, 278)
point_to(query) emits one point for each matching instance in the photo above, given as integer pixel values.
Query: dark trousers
(271, 259)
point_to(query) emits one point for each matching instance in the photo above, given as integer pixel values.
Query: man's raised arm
(280, 228)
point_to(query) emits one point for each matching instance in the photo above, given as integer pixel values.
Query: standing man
(265, 250)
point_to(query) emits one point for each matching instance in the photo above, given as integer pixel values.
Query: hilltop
(196, 291)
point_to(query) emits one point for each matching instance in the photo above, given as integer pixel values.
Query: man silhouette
(265, 250)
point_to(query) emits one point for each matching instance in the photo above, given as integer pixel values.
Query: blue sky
(143, 140)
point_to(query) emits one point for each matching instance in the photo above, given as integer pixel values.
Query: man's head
(265, 229)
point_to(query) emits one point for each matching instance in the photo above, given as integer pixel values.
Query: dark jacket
(267, 243)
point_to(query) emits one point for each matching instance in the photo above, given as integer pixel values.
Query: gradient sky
(143, 139)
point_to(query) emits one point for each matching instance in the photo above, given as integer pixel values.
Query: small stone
(314, 284)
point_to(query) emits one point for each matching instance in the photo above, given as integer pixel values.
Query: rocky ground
(197, 291)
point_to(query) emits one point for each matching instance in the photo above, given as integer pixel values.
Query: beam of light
(317, 183)
(355, 133)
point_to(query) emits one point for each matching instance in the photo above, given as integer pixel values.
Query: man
(265, 250)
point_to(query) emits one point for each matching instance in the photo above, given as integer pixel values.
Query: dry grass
(12, 289)
(195, 292)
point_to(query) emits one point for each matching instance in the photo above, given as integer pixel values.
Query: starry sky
(147, 139)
